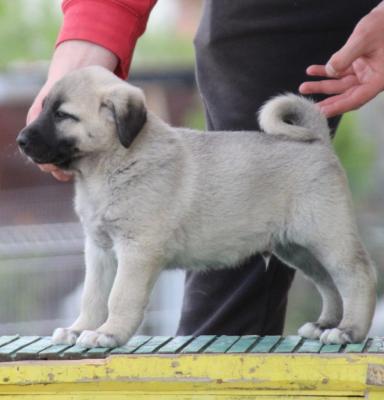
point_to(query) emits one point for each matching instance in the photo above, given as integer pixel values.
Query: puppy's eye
(61, 115)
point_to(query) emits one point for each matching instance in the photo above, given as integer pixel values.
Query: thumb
(343, 59)
(37, 104)
(33, 112)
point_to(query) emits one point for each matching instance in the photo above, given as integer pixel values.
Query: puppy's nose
(22, 139)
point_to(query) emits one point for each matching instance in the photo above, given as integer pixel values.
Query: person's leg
(246, 52)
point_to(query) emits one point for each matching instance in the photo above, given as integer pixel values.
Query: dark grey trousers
(246, 52)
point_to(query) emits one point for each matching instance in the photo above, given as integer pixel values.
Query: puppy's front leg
(100, 270)
(138, 269)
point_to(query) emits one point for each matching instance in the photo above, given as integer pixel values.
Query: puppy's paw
(336, 336)
(311, 330)
(97, 339)
(64, 336)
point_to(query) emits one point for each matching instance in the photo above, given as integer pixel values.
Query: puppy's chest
(94, 214)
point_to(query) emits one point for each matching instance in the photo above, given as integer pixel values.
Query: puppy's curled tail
(295, 117)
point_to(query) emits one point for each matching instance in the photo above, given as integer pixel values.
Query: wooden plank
(31, 351)
(221, 344)
(133, 344)
(97, 352)
(74, 352)
(355, 347)
(310, 346)
(152, 345)
(243, 344)
(266, 344)
(7, 339)
(198, 344)
(7, 351)
(175, 345)
(288, 344)
(30, 347)
(376, 345)
(53, 352)
(331, 348)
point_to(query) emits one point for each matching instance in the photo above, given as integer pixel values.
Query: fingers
(357, 68)
(33, 112)
(355, 47)
(36, 106)
(320, 70)
(330, 86)
(59, 174)
(62, 176)
(316, 70)
(347, 101)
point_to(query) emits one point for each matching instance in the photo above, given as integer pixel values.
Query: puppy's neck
(145, 147)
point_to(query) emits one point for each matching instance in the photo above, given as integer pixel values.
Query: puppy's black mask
(43, 143)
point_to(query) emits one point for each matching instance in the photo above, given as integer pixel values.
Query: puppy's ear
(125, 105)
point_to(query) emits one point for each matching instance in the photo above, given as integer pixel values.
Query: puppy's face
(85, 113)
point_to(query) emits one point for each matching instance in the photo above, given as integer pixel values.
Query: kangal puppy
(151, 196)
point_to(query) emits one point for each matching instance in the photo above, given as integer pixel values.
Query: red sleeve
(113, 24)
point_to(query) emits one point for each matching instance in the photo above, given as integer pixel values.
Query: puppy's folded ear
(125, 106)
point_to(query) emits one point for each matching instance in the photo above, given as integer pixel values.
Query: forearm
(113, 25)
(74, 54)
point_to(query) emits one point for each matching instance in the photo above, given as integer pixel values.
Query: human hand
(69, 56)
(33, 113)
(355, 72)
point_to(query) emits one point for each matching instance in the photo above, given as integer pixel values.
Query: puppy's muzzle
(45, 149)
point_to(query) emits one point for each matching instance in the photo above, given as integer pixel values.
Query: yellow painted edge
(161, 391)
(176, 396)
(320, 373)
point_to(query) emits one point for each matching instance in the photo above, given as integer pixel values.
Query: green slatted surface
(98, 352)
(331, 348)
(74, 353)
(199, 344)
(221, 344)
(29, 352)
(175, 345)
(7, 339)
(53, 352)
(310, 346)
(288, 344)
(9, 351)
(376, 345)
(35, 347)
(243, 344)
(133, 344)
(265, 344)
(153, 345)
(355, 347)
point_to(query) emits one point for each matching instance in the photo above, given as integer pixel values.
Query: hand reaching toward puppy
(69, 56)
(356, 72)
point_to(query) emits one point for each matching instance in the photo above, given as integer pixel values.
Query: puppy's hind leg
(332, 308)
(352, 271)
(99, 275)
(328, 230)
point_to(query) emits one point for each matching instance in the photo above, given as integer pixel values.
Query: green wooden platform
(16, 347)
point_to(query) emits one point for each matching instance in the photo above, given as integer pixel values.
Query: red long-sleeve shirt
(113, 24)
